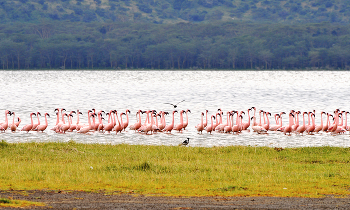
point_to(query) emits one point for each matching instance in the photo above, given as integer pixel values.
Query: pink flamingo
(221, 126)
(162, 123)
(334, 127)
(319, 127)
(200, 127)
(296, 125)
(66, 126)
(267, 125)
(288, 128)
(29, 126)
(119, 127)
(78, 125)
(13, 126)
(216, 121)
(254, 123)
(302, 128)
(74, 126)
(235, 128)
(186, 123)
(170, 127)
(108, 127)
(257, 128)
(125, 125)
(43, 127)
(36, 125)
(325, 127)
(209, 128)
(247, 124)
(206, 118)
(18, 122)
(149, 127)
(137, 125)
(228, 128)
(311, 128)
(87, 128)
(57, 119)
(179, 126)
(346, 127)
(278, 123)
(5, 124)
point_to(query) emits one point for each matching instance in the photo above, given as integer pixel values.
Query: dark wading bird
(175, 105)
(187, 141)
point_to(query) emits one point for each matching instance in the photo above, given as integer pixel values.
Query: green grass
(5, 202)
(176, 171)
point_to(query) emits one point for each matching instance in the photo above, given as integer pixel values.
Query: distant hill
(174, 11)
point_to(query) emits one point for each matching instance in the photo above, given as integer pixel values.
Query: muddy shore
(86, 200)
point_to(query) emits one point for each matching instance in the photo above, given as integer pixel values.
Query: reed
(175, 170)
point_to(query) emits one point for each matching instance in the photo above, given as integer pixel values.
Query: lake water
(31, 91)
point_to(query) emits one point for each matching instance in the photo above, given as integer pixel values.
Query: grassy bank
(171, 170)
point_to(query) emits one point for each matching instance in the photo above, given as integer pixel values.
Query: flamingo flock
(259, 122)
(336, 123)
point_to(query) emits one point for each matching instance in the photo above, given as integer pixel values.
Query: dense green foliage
(172, 11)
(218, 45)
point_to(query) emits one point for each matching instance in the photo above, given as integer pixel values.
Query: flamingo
(74, 126)
(149, 127)
(108, 127)
(137, 125)
(346, 127)
(43, 127)
(18, 122)
(335, 128)
(179, 126)
(311, 128)
(125, 124)
(296, 125)
(257, 128)
(209, 128)
(99, 125)
(36, 125)
(235, 128)
(87, 128)
(228, 128)
(247, 124)
(254, 123)
(200, 127)
(29, 126)
(267, 125)
(186, 123)
(162, 123)
(325, 127)
(170, 127)
(206, 118)
(5, 124)
(66, 126)
(13, 126)
(288, 128)
(302, 128)
(319, 127)
(77, 125)
(278, 123)
(119, 127)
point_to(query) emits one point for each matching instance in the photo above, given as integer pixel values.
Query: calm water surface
(30, 91)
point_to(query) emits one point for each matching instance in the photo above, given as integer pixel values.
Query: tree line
(219, 45)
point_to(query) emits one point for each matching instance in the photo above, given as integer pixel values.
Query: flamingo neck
(46, 120)
(172, 123)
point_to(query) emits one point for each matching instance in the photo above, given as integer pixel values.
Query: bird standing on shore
(187, 141)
